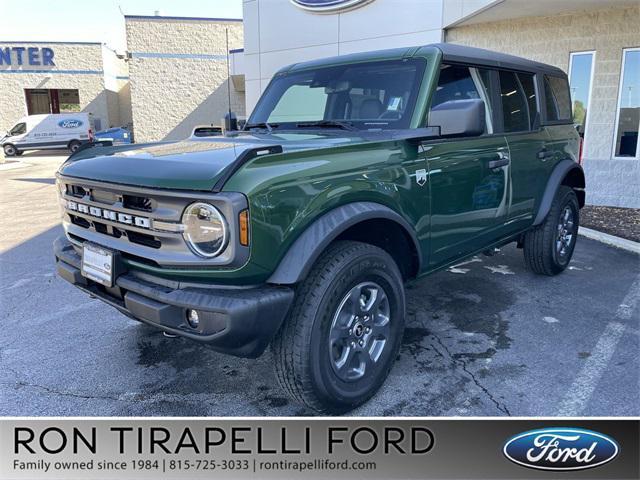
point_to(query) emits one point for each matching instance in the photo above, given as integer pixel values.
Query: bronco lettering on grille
(125, 218)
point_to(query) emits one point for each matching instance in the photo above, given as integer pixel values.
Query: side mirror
(465, 118)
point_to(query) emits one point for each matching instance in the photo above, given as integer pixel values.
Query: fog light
(193, 318)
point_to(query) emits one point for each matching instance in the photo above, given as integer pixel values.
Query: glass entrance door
(581, 65)
(626, 143)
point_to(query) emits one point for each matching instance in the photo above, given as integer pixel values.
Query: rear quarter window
(557, 98)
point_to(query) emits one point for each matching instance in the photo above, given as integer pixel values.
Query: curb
(612, 240)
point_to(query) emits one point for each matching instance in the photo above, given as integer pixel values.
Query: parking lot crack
(463, 365)
(63, 393)
(53, 391)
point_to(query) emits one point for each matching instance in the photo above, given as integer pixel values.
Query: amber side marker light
(243, 218)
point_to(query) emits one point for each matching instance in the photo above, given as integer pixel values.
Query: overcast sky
(96, 20)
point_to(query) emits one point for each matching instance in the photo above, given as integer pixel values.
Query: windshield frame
(413, 112)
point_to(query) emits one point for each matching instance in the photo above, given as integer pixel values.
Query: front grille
(80, 221)
(103, 196)
(144, 224)
(134, 202)
(124, 216)
(144, 239)
(77, 191)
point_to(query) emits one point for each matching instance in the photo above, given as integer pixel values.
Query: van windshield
(18, 129)
(370, 95)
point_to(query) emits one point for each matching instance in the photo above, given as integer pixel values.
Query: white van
(49, 131)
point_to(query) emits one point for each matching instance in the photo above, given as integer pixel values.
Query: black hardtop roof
(451, 52)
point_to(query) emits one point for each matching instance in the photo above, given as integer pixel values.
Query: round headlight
(205, 230)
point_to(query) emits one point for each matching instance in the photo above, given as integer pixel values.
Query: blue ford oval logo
(561, 449)
(69, 123)
(328, 6)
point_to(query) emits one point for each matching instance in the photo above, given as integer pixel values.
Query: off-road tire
(301, 351)
(540, 251)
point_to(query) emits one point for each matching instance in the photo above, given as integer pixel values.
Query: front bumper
(237, 321)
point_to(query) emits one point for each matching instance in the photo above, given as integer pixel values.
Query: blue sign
(328, 6)
(15, 56)
(561, 449)
(70, 123)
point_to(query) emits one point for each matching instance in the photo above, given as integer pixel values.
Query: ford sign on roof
(328, 6)
(561, 449)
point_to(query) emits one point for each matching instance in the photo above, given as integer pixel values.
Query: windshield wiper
(327, 124)
(268, 126)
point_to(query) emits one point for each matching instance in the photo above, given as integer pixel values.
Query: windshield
(368, 95)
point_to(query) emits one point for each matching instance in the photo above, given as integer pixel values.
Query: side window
(464, 83)
(19, 129)
(557, 98)
(528, 85)
(515, 108)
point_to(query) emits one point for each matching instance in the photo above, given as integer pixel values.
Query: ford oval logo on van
(561, 449)
(328, 6)
(70, 123)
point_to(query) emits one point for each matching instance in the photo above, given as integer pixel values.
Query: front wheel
(10, 150)
(548, 248)
(343, 334)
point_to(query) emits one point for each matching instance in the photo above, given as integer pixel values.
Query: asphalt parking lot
(486, 338)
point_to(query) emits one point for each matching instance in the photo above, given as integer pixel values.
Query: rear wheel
(74, 145)
(340, 341)
(10, 150)
(548, 248)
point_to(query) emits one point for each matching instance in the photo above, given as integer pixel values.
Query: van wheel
(548, 248)
(344, 331)
(10, 150)
(74, 145)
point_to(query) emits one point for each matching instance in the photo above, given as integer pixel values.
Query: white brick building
(58, 77)
(178, 74)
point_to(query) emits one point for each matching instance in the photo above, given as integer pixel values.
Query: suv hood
(186, 165)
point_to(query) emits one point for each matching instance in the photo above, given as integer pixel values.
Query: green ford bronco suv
(352, 176)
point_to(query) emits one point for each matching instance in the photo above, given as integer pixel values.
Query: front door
(469, 177)
(469, 196)
(18, 134)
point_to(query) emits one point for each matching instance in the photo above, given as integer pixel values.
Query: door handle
(544, 154)
(502, 161)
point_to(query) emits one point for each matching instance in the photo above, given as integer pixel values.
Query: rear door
(469, 193)
(527, 141)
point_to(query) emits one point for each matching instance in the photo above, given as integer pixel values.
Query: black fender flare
(559, 173)
(306, 249)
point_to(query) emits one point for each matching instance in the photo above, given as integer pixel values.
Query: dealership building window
(628, 117)
(581, 66)
(52, 100)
